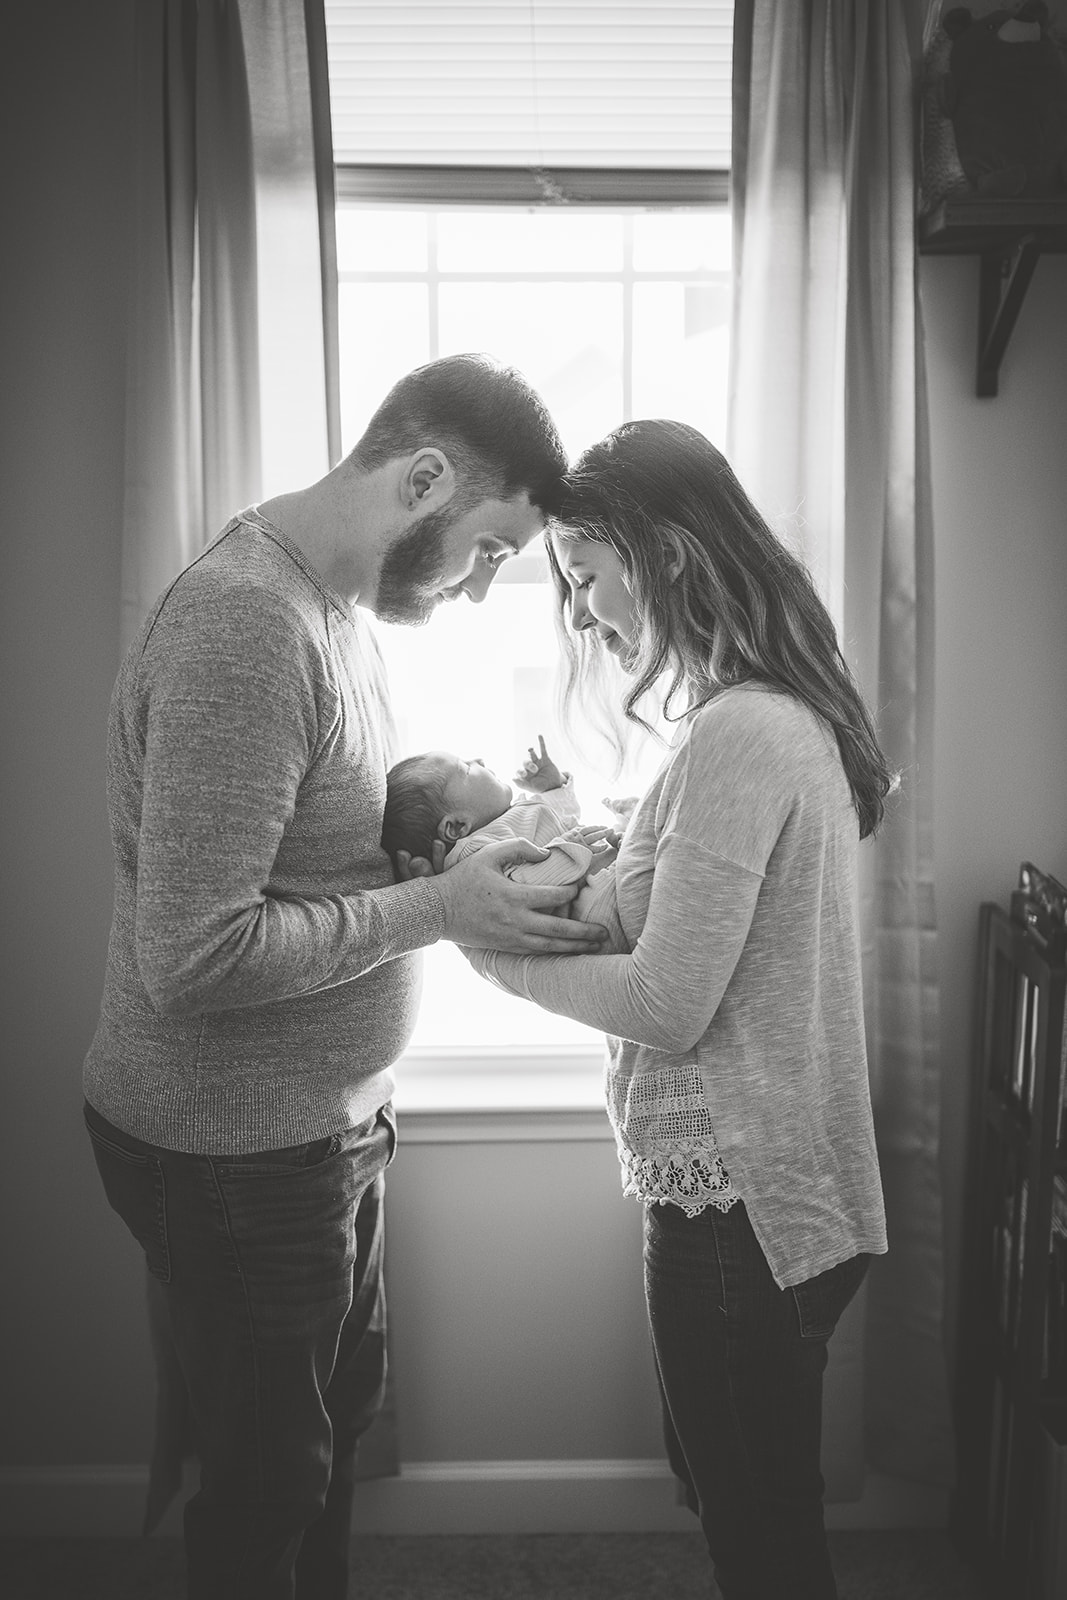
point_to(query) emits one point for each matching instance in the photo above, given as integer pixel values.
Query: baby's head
(437, 795)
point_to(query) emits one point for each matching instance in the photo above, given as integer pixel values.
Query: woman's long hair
(718, 598)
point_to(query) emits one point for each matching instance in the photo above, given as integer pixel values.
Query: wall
(66, 1363)
(1000, 510)
(528, 1240)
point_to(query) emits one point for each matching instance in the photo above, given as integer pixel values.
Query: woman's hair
(718, 599)
(414, 805)
(494, 428)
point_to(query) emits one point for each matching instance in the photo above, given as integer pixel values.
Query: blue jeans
(270, 1272)
(740, 1365)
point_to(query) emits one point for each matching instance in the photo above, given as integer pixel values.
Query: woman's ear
(675, 562)
(451, 828)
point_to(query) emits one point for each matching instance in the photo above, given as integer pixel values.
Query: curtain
(828, 431)
(232, 368)
(232, 389)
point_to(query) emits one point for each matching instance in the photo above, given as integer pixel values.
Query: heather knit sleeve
(237, 711)
(711, 831)
(666, 992)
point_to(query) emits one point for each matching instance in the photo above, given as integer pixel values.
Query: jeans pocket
(136, 1191)
(281, 1163)
(821, 1300)
(388, 1116)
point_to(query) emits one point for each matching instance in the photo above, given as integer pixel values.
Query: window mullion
(433, 286)
(627, 317)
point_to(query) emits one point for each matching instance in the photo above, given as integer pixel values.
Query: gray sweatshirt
(259, 978)
(736, 1034)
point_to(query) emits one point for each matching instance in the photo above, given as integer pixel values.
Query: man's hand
(485, 910)
(539, 772)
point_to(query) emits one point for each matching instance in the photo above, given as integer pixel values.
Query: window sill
(459, 1094)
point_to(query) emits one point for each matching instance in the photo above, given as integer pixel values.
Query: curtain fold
(232, 361)
(232, 387)
(828, 430)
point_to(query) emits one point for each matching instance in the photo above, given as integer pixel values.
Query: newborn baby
(440, 796)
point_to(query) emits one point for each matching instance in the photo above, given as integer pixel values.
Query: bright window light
(610, 313)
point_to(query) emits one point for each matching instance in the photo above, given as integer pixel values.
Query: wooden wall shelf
(1007, 236)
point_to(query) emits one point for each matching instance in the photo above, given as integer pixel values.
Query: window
(610, 312)
(613, 307)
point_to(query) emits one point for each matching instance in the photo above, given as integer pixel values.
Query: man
(261, 976)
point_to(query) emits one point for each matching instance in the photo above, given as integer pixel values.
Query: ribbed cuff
(415, 916)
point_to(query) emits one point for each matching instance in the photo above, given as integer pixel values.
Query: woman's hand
(539, 772)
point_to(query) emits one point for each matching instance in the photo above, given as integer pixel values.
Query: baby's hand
(592, 834)
(539, 772)
(622, 808)
(603, 842)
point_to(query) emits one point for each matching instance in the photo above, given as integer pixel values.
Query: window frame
(545, 186)
(487, 1082)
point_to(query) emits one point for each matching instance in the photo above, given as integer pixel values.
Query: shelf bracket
(1005, 275)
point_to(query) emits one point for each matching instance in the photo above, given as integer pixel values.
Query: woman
(737, 1079)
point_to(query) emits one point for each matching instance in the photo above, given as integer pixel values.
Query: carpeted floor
(895, 1565)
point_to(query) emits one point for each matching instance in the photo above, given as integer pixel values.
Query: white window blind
(595, 85)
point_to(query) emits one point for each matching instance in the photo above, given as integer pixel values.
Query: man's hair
(493, 427)
(414, 806)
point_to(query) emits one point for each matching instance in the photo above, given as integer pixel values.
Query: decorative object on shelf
(1005, 93)
(993, 141)
(941, 169)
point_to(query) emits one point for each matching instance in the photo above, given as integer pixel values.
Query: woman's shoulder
(765, 732)
(750, 758)
(752, 712)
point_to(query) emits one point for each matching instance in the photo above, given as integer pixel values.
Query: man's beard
(410, 580)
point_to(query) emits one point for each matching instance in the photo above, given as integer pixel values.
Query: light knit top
(259, 977)
(736, 1053)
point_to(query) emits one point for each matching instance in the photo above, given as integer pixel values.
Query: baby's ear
(451, 828)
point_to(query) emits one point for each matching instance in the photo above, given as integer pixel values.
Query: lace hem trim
(693, 1182)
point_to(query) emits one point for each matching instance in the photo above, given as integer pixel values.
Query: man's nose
(476, 587)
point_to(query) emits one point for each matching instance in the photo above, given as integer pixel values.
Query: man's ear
(451, 828)
(428, 480)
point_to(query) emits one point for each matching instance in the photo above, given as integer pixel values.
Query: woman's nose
(581, 617)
